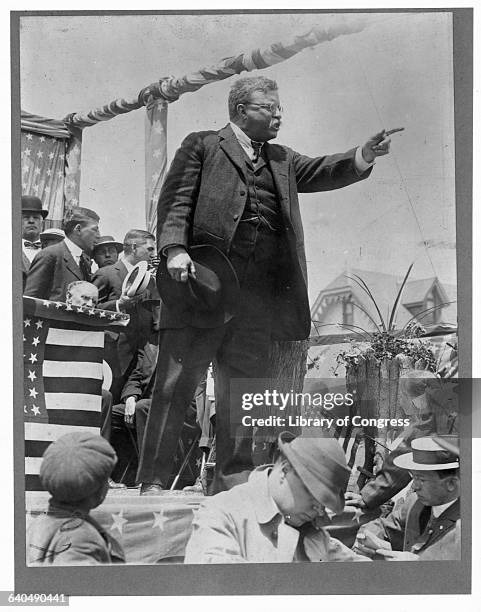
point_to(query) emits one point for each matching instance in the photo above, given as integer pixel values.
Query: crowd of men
(231, 278)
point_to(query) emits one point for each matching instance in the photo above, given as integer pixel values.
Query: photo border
(437, 577)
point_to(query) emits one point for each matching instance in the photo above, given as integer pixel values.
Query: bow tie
(32, 245)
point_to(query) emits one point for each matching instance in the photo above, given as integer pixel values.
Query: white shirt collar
(438, 510)
(73, 248)
(244, 140)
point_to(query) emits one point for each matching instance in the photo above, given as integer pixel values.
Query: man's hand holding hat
(180, 264)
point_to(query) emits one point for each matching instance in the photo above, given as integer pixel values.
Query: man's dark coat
(204, 196)
(51, 271)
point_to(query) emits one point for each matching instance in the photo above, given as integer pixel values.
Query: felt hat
(431, 453)
(76, 466)
(109, 240)
(52, 232)
(33, 204)
(321, 465)
(208, 300)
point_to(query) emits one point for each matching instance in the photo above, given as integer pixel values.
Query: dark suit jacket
(25, 268)
(204, 195)
(141, 379)
(125, 345)
(50, 273)
(406, 531)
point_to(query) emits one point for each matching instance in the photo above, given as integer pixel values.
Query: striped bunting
(62, 376)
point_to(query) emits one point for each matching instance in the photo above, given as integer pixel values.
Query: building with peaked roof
(343, 304)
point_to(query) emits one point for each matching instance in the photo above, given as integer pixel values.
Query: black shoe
(116, 485)
(148, 488)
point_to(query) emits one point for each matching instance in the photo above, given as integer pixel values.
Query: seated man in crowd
(82, 293)
(418, 389)
(426, 524)
(276, 516)
(75, 471)
(106, 251)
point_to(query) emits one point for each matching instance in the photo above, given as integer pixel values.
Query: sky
(397, 72)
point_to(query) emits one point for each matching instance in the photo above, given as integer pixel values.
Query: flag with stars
(63, 352)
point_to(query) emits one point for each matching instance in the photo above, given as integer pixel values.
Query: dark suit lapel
(70, 262)
(232, 148)
(277, 158)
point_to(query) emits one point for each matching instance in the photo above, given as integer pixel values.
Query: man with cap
(56, 266)
(234, 190)
(33, 215)
(106, 251)
(277, 515)
(428, 519)
(75, 471)
(121, 348)
(52, 235)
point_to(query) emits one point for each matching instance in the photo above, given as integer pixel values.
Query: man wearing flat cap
(234, 190)
(106, 251)
(426, 524)
(277, 515)
(75, 471)
(33, 215)
(56, 266)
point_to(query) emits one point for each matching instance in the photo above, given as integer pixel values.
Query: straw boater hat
(109, 240)
(321, 465)
(52, 232)
(137, 280)
(429, 454)
(33, 204)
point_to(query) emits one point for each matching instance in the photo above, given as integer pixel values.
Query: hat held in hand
(137, 280)
(208, 300)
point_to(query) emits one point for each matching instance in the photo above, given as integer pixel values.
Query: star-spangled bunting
(63, 354)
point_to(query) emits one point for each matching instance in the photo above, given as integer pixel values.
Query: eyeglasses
(273, 109)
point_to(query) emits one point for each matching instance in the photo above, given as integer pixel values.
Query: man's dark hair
(136, 236)
(78, 216)
(242, 89)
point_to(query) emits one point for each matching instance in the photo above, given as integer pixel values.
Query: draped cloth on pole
(155, 158)
(50, 158)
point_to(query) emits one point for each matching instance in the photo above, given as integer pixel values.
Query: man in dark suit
(235, 191)
(56, 266)
(121, 348)
(33, 215)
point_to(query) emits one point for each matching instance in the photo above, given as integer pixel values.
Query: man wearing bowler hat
(277, 515)
(235, 191)
(426, 524)
(56, 266)
(33, 215)
(106, 251)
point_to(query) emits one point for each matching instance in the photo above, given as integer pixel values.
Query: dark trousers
(240, 349)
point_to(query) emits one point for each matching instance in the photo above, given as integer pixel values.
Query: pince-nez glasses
(273, 109)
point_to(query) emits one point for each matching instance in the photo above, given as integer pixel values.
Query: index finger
(393, 131)
(385, 552)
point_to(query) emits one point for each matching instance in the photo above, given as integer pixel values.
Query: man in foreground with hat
(426, 524)
(106, 251)
(75, 471)
(277, 515)
(33, 215)
(56, 266)
(233, 190)
(121, 348)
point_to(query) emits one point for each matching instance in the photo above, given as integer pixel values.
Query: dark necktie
(31, 245)
(84, 265)
(257, 146)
